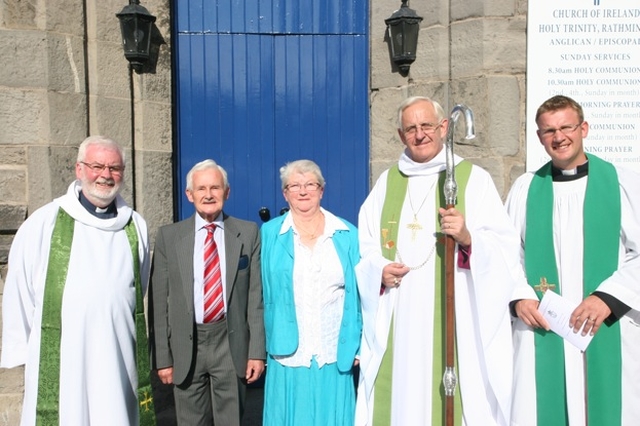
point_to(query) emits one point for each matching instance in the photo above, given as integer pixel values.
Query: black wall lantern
(136, 24)
(403, 27)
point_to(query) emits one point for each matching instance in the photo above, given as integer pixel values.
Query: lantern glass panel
(136, 36)
(410, 29)
(396, 37)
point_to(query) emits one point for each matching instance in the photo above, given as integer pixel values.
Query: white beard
(106, 194)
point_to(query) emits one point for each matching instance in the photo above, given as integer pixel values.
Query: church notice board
(588, 50)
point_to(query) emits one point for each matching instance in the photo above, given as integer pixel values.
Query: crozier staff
(450, 191)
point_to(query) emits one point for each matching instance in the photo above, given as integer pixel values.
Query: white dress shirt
(318, 289)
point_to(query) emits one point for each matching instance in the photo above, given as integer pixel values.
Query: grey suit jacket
(171, 312)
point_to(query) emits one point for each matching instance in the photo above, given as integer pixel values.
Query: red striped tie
(213, 304)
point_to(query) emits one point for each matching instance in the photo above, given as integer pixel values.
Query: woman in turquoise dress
(312, 312)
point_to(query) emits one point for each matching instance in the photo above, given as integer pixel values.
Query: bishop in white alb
(483, 334)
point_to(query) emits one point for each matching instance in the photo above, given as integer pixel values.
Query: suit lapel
(184, 253)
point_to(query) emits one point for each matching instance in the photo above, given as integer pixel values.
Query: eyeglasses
(566, 130)
(309, 187)
(427, 129)
(98, 168)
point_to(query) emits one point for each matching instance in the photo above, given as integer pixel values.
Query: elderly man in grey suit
(205, 307)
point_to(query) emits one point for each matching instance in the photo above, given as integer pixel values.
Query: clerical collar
(560, 175)
(108, 212)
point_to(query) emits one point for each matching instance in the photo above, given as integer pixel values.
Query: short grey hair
(205, 165)
(99, 141)
(300, 166)
(414, 100)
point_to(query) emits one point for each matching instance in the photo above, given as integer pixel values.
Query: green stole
(47, 409)
(394, 199)
(601, 241)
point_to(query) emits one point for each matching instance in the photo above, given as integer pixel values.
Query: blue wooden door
(261, 83)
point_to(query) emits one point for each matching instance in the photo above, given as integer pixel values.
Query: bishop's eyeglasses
(427, 128)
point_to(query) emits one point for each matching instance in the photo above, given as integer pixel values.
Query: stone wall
(64, 77)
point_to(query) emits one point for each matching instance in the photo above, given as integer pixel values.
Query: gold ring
(591, 319)
(395, 281)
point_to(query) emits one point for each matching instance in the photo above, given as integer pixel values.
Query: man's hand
(591, 313)
(255, 367)
(527, 311)
(166, 375)
(393, 273)
(452, 223)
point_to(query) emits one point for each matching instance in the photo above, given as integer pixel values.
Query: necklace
(415, 226)
(312, 235)
(413, 268)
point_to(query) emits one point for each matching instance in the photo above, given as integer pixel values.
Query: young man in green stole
(401, 281)
(73, 310)
(578, 221)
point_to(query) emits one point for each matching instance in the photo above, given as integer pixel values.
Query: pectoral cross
(146, 401)
(544, 285)
(414, 227)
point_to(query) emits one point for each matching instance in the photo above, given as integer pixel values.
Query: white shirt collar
(331, 223)
(201, 223)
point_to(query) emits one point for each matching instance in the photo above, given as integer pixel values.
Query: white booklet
(557, 311)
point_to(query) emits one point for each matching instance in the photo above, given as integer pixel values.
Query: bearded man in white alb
(401, 277)
(72, 309)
